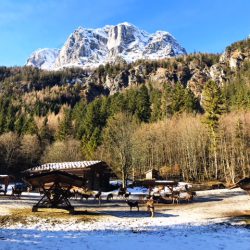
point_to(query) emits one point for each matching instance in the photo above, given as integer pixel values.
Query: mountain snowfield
(89, 48)
(43, 58)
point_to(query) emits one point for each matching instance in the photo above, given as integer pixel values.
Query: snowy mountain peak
(126, 24)
(88, 48)
(43, 58)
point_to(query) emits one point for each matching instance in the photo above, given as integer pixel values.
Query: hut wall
(152, 174)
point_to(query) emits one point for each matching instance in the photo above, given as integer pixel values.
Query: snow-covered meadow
(181, 237)
(207, 223)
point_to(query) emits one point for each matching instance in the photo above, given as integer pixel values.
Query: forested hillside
(187, 116)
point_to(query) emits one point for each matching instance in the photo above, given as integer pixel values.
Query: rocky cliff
(192, 71)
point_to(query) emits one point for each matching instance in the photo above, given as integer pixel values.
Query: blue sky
(199, 25)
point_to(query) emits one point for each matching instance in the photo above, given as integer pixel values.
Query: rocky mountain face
(192, 71)
(89, 48)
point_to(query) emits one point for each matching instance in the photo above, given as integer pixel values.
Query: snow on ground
(203, 224)
(212, 237)
(143, 190)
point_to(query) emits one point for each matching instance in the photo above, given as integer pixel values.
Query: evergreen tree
(20, 124)
(191, 103)
(155, 99)
(89, 146)
(10, 119)
(2, 120)
(45, 135)
(118, 103)
(178, 94)
(65, 126)
(78, 114)
(143, 105)
(167, 99)
(30, 126)
(131, 101)
(4, 105)
(213, 104)
(92, 122)
(104, 111)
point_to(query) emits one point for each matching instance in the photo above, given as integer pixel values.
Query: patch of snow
(181, 238)
(119, 182)
(43, 58)
(138, 190)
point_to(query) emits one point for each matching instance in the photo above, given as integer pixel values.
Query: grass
(25, 216)
(240, 216)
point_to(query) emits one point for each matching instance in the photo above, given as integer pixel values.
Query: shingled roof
(64, 166)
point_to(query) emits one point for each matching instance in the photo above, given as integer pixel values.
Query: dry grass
(240, 216)
(25, 216)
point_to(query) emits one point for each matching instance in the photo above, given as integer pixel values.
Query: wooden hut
(152, 174)
(96, 173)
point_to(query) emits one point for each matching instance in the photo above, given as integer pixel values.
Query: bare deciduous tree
(9, 146)
(63, 151)
(30, 149)
(118, 142)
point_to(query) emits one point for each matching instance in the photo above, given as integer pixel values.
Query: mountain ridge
(89, 48)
